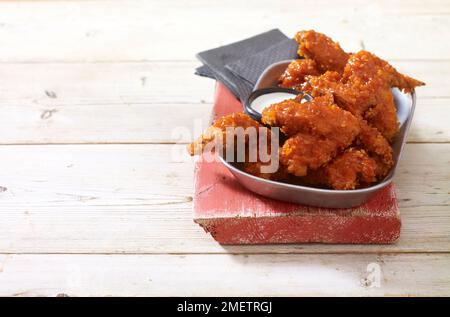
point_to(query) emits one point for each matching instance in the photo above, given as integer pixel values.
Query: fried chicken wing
(327, 54)
(256, 168)
(350, 170)
(304, 151)
(377, 146)
(232, 126)
(383, 116)
(319, 117)
(364, 90)
(364, 67)
(318, 129)
(295, 73)
(374, 101)
(349, 97)
(218, 131)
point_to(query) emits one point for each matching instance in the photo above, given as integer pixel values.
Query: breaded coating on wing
(295, 73)
(255, 168)
(319, 117)
(218, 130)
(364, 67)
(304, 151)
(348, 171)
(327, 54)
(371, 140)
(356, 98)
(383, 116)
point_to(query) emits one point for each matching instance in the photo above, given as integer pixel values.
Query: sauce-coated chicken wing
(350, 170)
(294, 75)
(218, 131)
(318, 117)
(305, 151)
(317, 46)
(364, 67)
(217, 137)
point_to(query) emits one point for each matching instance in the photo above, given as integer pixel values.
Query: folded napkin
(251, 67)
(239, 65)
(204, 71)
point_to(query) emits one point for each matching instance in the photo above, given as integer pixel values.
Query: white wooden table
(93, 200)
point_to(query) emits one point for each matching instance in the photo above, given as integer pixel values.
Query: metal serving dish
(330, 198)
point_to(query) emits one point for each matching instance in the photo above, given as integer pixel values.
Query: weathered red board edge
(234, 215)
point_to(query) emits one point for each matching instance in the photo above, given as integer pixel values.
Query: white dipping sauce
(266, 100)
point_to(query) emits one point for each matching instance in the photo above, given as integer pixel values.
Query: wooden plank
(137, 199)
(53, 84)
(155, 123)
(135, 102)
(153, 30)
(224, 275)
(133, 123)
(430, 122)
(85, 84)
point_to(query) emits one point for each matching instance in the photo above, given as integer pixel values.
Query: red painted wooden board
(234, 215)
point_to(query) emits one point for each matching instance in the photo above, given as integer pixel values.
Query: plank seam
(447, 252)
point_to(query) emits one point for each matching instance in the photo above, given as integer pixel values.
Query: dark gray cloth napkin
(204, 71)
(239, 65)
(251, 67)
